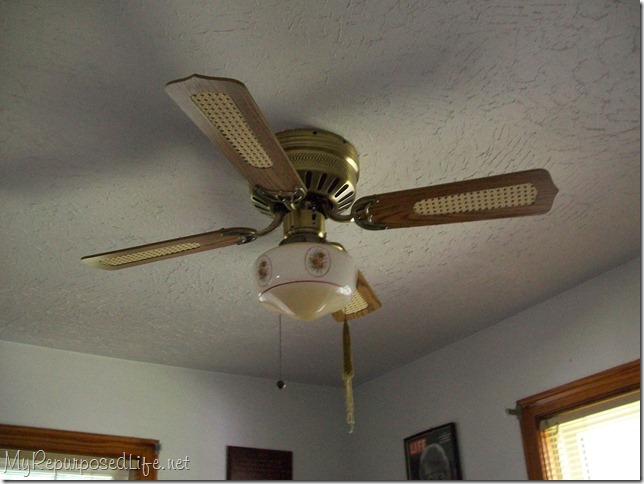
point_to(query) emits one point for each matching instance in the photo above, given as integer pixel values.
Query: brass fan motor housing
(327, 164)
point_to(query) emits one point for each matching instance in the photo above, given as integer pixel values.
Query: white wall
(193, 413)
(590, 328)
(585, 330)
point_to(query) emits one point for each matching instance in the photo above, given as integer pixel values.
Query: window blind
(599, 441)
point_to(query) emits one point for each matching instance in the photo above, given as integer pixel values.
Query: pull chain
(280, 383)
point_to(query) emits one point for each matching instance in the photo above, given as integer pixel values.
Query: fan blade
(517, 194)
(364, 302)
(226, 112)
(120, 259)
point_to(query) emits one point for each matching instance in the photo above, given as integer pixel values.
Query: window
(46, 454)
(597, 442)
(587, 429)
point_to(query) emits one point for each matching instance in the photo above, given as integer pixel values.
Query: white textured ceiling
(94, 156)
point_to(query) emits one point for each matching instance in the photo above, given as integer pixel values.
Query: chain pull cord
(280, 383)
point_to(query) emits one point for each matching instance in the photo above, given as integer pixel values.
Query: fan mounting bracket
(271, 202)
(245, 234)
(362, 215)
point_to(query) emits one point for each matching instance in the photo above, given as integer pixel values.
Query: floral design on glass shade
(318, 261)
(263, 268)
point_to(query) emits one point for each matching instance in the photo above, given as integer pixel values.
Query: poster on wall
(250, 464)
(432, 455)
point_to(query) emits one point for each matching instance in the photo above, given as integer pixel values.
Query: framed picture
(432, 455)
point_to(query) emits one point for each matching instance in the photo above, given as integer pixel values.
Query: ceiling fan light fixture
(301, 177)
(305, 280)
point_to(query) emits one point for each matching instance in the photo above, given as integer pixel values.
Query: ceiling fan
(301, 178)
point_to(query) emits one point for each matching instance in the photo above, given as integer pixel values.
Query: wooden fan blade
(363, 302)
(226, 112)
(143, 254)
(517, 194)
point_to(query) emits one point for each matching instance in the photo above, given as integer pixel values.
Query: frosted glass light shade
(305, 280)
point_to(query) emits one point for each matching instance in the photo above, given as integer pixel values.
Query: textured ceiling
(94, 156)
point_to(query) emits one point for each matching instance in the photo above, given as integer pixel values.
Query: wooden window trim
(81, 443)
(532, 410)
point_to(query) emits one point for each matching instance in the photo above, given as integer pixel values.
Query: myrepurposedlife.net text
(38, 461)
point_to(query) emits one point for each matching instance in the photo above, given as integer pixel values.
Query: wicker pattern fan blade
(143, 254)
(226, 112)
(363, 302)
(517, 194)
